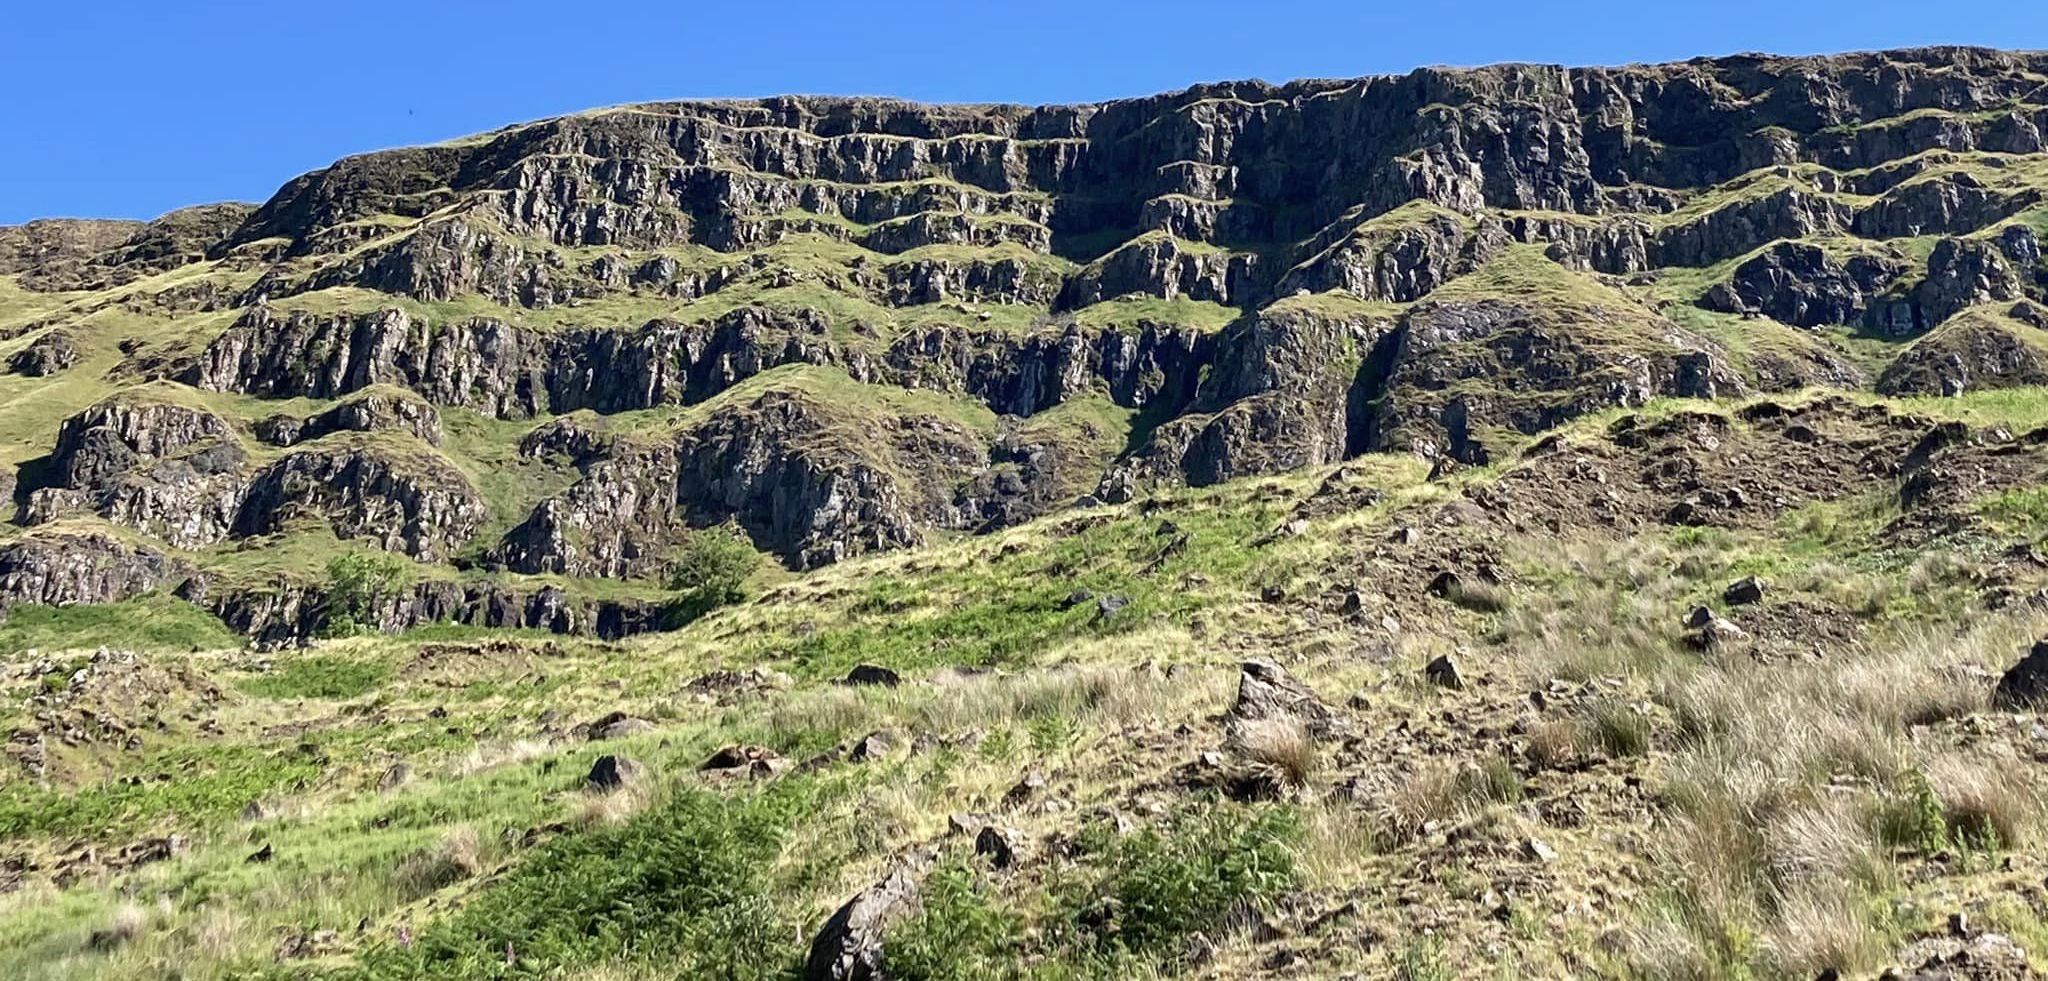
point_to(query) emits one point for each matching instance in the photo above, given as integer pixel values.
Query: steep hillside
(1516, 521)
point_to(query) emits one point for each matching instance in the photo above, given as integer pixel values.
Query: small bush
(1164, 885)
(961, 934)
(1281, 749)
(1422, 959)
(1913, 818)
(711, 571)
(689, 880)
(1492, 782)
(1480, 596)
(458, 857)
(357, 583)
(1618, 729)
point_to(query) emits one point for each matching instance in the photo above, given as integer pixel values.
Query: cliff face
(845, 324)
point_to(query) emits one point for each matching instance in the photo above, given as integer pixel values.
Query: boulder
(1266, 691)
(1002, 846)
(1443, 672)
(618, 725)
(1748, 589)
(2024, 686)
(849, 946)
(611, 772)
(873, 674)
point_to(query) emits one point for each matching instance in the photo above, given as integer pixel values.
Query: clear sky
(128, 108)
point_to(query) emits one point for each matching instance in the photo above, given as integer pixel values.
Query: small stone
(611, 772)
(2025, 684)
(1025, 789)
(1002, 846)
(1353, 603)
(619, 726)
(1108, 605)
(395, 777)
(1539, 850)
(1443, 673)
(874, 746)
(1716, 634)
(756, 760)
(1266, 691)
(1272, 594)
(1748, 589)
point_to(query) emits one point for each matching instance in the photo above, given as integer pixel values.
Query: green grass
(317, 676)
(187, 785)
(152, 622)
(1165, 884)
(689, 885)
(965, 931)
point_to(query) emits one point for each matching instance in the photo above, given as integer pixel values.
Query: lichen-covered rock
(1803, 285)
(161, 467)
(1398, 262)
(79, 567)
(1976, 350)
(47, 355)
(1456, 372)
(369, 411)
(1281, 397)
(849, 946)
(1963, 273)
(420, 507)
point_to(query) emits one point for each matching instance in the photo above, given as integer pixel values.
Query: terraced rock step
(843, 326)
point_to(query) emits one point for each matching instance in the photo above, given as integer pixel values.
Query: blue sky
(111, 108)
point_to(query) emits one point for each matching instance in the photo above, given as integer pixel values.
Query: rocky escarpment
(61, 568)
(1982, 349)
(369, 411)
(181, 474)
(491, 367)
(1284, 394)
(845, 325)
(290, 611)
(1478, 368)
(807, 480)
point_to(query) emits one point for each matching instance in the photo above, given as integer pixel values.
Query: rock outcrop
(181, 474)
(845, 325)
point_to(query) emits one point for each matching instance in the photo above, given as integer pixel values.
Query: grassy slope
(741, 869)
(1784, 797)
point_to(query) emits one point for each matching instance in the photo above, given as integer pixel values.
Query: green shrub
(687, 885)
(1913, 819)
(961, 935)
(1492, 782)
(711, 571)
(1162, 886)
(356, 583)
(1618, 729)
